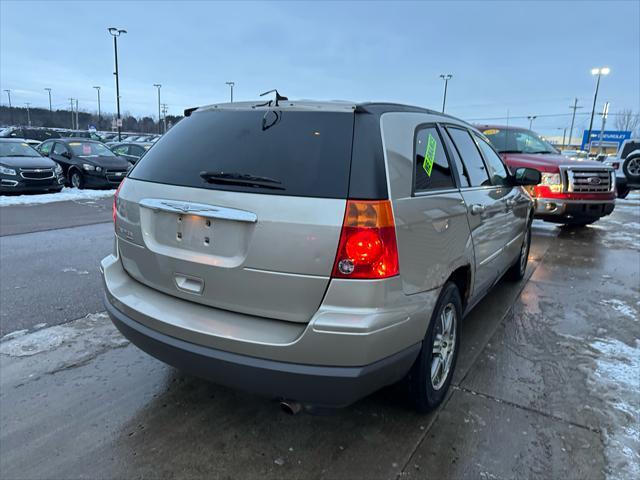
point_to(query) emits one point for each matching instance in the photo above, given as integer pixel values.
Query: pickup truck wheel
(631, 168)
(432, 371)
(623, 192)
(518, 269)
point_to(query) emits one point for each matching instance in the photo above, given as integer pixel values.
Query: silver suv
(314, 252)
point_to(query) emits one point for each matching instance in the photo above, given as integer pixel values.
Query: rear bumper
(100, 180)
(343, 354)
(309, 384)
(564, 211)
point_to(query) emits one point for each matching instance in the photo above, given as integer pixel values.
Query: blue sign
(608, 137)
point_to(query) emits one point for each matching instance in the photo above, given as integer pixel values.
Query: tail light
(115, 202)
(368, 247)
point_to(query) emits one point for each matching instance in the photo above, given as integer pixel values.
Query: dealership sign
(609, 137)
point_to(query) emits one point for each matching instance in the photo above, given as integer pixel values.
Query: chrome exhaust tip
(290, 407)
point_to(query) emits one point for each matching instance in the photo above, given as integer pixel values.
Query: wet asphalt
(547, 383)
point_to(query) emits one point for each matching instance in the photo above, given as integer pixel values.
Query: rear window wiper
(243, 179)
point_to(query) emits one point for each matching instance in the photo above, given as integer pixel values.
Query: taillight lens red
(368, 247)
(114, 209)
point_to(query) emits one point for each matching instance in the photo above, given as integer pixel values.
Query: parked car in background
(572, 191)
(576, 154)
(82, 134)
(29, 133)
(337, 260)
(626, 164)
(86, 163)
(132, 151)
(23, 169)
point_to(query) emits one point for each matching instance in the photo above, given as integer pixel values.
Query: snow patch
(74, 270)
(617, 379)
(621, 307)
(18, 344)
(65, 195)
(16, 334)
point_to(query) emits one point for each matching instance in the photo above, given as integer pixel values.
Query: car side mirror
(66, 155)
(526, 176)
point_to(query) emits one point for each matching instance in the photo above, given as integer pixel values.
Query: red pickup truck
(572, 191)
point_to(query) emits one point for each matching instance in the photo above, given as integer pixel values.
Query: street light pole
(446, 77)
(77, 122)
(28, 114)
(116, 32)
(231, 85)
(99, 112)
(50, 109)
(599, 72)
(605, 114)
(531, 118)
(159, 86)
(10, 109)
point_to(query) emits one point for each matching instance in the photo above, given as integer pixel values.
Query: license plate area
(191, 232)
(196, 238)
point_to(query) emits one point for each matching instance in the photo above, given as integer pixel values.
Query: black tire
(623, 192)
(631, 168)
(425, 395)
(519, 269)
(76, 179)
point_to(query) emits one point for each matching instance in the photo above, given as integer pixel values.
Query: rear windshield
(276, 152)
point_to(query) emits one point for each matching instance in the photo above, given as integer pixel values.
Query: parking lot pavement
(546, 387)
(18, 219)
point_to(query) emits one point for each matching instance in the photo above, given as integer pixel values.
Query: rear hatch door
(240, 209)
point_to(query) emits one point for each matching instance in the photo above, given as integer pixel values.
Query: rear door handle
(477, 209)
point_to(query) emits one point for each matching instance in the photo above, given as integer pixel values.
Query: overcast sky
(528, 58)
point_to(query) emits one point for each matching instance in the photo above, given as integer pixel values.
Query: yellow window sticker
(429, 155)
(491, 131)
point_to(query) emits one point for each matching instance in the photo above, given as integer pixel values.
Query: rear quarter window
(432, 169)
(308, 153)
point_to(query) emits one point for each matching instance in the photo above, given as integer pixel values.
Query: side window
(59, 149)
(136, 150)
(45, 148)
(499, 173)
(470, 157)
(121, 150)
(432, 170)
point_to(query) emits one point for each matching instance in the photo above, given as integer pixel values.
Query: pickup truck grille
(584, 180)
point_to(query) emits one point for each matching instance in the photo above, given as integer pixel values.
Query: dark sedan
(23, 169)
(86, 163)
(132, 151)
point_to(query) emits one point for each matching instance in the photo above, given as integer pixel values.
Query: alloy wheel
(444, 344)
(524, 253)
(633, 167)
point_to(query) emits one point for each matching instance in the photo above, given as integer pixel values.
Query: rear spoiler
(189, 111)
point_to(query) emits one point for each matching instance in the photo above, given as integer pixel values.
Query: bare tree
(628, 121)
